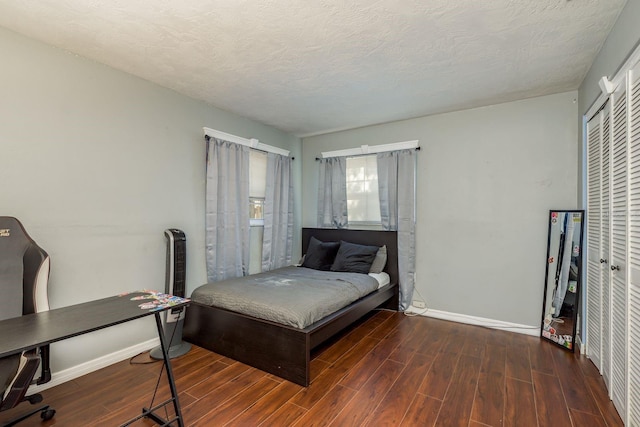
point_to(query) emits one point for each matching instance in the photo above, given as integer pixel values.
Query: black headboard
(362, 237)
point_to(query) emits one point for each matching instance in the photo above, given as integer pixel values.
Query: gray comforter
(293, 296)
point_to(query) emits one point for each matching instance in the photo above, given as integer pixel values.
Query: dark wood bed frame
(283, 350)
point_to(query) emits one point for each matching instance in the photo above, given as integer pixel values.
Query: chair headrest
(14, 242)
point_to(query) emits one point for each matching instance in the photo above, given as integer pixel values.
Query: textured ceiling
(310, 67)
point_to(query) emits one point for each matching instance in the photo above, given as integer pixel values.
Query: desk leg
(172, 384)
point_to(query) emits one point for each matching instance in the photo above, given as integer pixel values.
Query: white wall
(97, 164)
(487, 179)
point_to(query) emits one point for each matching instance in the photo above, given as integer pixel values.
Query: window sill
(362, 225)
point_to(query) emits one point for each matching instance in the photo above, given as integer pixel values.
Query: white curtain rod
(253, 143)
(372, 149)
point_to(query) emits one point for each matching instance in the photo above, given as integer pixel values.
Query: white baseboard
(74, 372)
(580, 345)
(474, 320)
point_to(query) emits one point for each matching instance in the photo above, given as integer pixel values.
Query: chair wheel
(34, 398)
(47, 414)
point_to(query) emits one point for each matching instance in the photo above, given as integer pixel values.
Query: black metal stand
(151, 412)
(173, 324)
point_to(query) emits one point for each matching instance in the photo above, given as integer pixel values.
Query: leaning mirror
(562, 278)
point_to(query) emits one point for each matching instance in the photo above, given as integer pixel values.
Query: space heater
(175, 285)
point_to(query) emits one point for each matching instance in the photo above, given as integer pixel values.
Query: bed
(285, 350)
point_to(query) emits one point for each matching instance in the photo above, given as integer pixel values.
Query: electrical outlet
(419, 304)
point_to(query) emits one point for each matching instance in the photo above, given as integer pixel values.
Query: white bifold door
(613, 245)
(633, 310)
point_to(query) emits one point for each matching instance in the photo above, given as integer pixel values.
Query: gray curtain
(277, 243)
(397, 188)
(332, 193)
(227, 210)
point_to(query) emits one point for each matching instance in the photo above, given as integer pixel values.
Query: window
(363, 203)
(257, 186)
(256, 208)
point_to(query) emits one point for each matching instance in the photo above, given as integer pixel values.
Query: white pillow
(379, 261)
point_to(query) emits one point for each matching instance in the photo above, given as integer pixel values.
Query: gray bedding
(293, 296)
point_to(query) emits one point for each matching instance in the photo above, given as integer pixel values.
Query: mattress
(292, 296)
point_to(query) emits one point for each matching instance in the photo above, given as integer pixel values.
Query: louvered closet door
(619, 242)
(594, 227)
(633, 417)
(605, 241)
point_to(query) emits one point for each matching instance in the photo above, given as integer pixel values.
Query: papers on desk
(154, 301)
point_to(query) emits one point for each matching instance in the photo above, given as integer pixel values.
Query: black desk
(35, 330)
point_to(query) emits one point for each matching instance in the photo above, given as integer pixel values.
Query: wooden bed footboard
(271, 347)
(280, 350)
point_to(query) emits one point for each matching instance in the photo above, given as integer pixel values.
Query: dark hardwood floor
(389, 370)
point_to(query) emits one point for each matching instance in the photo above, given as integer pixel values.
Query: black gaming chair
(24, 273)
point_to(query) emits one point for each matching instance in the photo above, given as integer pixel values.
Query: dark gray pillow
(320, 255)
(354, 258)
